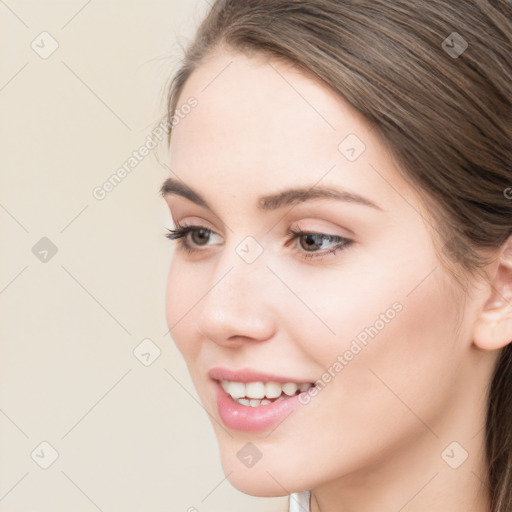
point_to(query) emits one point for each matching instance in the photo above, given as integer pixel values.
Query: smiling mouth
(255, 394)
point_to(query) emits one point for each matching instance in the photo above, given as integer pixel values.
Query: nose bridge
(234, 281)
(236, 303)
(240, 268)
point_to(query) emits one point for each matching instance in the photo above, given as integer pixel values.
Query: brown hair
(444, 110)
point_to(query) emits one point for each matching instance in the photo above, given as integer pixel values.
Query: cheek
(181, 296)
(385, 337)
(395, 374)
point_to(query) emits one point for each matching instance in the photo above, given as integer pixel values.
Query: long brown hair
(434, 78)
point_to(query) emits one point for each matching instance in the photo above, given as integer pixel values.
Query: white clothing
(300, 501)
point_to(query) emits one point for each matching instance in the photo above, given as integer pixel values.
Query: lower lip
(244, 417)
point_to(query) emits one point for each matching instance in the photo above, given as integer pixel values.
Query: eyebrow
(275, 201)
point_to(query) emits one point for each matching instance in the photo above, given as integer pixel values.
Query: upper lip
(250, 375)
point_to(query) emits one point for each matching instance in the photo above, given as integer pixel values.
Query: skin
(373, 438)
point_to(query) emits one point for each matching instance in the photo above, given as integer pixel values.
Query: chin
(263, 479)
(261, 485)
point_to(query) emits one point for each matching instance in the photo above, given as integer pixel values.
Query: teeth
(235, 389)
(257, 393)
(272, 390)
(254, 389)
(290, 387)
(255, 402)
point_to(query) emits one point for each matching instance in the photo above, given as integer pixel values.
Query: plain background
(129, 437)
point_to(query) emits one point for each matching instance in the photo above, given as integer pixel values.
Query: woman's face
(375, 321)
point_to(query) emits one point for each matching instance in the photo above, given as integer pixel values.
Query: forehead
(254, 100)
(265, 125)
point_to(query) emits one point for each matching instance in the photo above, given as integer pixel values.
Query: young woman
(341, 193)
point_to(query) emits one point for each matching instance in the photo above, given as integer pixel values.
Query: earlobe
(493, 327)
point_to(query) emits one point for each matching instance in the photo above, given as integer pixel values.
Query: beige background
(129, 437)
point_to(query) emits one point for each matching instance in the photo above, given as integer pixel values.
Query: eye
(191, 237)
(311, 242)
(199, 235)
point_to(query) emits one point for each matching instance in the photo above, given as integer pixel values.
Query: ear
(493, 327)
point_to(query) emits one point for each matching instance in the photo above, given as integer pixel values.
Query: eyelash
(181, 233)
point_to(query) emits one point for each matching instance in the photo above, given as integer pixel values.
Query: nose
(237, 307)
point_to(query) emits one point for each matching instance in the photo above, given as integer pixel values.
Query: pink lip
(248, 375)
(242, 417)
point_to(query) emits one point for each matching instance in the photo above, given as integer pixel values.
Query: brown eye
(313, 241)
(200, 236)
(310, 243)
